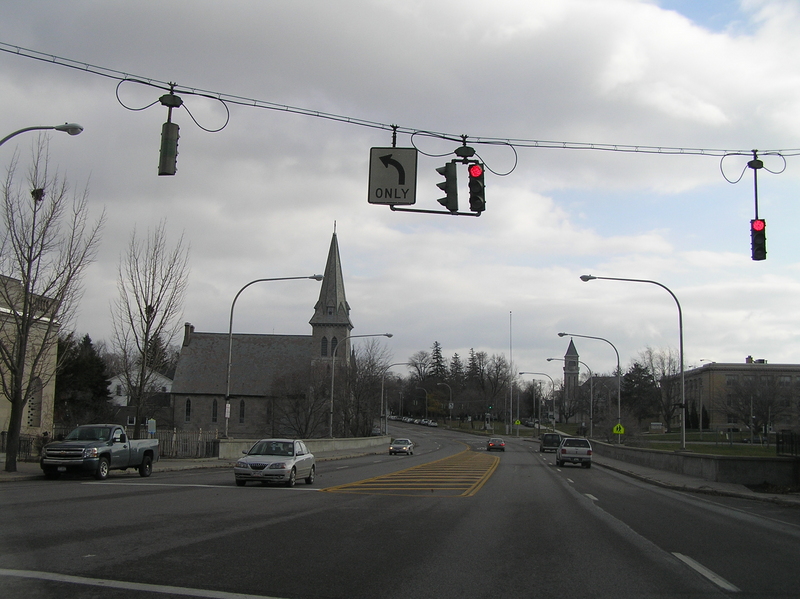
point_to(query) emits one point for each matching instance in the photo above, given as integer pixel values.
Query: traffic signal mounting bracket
(396, 209)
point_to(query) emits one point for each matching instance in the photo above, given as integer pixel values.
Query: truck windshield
(90, 433)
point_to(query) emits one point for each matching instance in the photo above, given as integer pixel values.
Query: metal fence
(788, 443)
(180, 444)
(29, 446)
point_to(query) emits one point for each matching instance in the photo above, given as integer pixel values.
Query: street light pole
(71, 128)
(619, 376)
(333, 369)
(552, 392)
(586, 278)
(450, 405)
(591, 391)
(230, 339)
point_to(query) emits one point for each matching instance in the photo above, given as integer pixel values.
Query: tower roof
(571, 351)
(332, 307)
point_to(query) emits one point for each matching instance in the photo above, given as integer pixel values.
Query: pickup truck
(574, 450)
(97, 449)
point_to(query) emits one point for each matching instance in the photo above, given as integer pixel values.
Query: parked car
(495, 443)
(276, 461)
(405, 446)
(550, 442)
(574, 450)
(96, 449)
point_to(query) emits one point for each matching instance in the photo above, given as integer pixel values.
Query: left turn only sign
(392, 176)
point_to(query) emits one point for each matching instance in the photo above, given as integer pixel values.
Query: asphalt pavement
(661, 478)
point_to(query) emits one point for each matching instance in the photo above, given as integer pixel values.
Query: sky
(261, 197)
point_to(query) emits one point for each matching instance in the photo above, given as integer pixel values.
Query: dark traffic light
(449, 186)
(477, 189)
(168, 157)
(758, 238)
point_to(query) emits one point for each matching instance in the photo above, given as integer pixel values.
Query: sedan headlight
(278, 466)
(241, 464)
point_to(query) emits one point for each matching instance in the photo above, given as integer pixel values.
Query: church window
(324, 348)
(241, 412)
(214, 411)
(188, 411)
(334, 345)
(330, 310)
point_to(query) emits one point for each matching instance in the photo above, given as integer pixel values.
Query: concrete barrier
(231, 449)
(778, 471)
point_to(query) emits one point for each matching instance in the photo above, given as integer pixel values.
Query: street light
(586, 278)
(552, 391)
(333, 367)
(619, 376)
(591, 392)
(230, 339)
(383, 378)
(71, 128)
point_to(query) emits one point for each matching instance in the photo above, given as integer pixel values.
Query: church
(279, 384)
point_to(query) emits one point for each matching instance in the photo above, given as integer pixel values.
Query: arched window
(214, 411)
(188, 416)
(334, 345)
(324, 348)
(241, 412)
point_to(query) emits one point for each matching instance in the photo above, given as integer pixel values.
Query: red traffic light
(475, 170)
(758, 224)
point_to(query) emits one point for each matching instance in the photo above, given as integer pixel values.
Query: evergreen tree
(640, 393)
(81, 393)
(458, 374)
(438, 365)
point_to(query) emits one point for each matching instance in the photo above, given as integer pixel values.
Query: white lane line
(592, 497)
(570, 480)
(131, 586)
(701, 569)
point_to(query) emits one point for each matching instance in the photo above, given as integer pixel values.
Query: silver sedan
(405, 446)
(276, 461)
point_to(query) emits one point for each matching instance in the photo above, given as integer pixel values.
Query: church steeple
(331, 321)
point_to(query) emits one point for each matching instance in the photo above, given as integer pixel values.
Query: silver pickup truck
(574, 450)
(96, 449)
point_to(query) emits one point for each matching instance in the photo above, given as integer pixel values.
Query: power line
(226, 98)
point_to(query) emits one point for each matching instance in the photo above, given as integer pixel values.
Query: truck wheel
(310, 477)
(588, 464)
(240, 482)
(559, 463)
(292, 478)
(146, 467)
(102, 469)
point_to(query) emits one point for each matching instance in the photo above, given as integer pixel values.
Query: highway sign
(619, 429)
(392, 176)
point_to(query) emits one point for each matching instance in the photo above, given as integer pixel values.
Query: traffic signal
(477, 189)
(758, 238)
(168, 157)
(449, 186)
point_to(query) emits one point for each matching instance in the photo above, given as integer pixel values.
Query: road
(451, 521)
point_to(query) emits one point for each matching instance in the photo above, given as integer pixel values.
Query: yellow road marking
(461, 475)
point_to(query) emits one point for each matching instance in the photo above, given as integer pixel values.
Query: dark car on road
(495, 443)
(550, 442)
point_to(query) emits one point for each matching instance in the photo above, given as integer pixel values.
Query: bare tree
(302, 408)
(146, 317)
(363, 409)
(46, 243)
(756, 400)
(664, 365)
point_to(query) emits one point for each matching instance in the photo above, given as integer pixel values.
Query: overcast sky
(260, 197)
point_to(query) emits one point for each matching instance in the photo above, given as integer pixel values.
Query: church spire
(332, 308)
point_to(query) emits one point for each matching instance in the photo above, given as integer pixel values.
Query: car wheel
(146, 467)
(102, 469)
(240, 483)
(310, 477)
(292, 478)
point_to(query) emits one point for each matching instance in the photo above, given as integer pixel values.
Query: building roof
(332, 307)
(257, 362)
